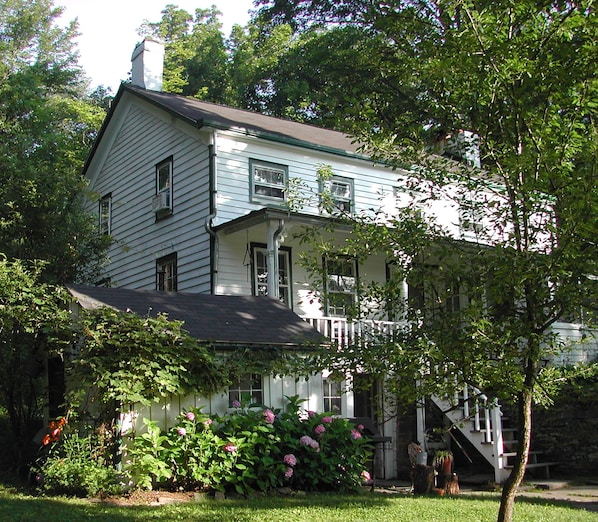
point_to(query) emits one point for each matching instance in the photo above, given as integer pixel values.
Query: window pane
(167, 274)
(248, 390)
(163, 177)
(260, 260)
(268, 181)
(105, 215)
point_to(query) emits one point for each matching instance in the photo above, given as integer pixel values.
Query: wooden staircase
(481, 422)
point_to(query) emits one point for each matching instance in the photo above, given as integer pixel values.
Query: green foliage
(196, 62)
(34, 326)
(128, 358)
(79, 466)
(251, 449)
(519, 76)
(47, 127)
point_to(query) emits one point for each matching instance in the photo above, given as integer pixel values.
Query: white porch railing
(344, 332)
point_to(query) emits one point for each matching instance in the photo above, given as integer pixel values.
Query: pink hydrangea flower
(365, 475)
(190, 416)
(290, 459)
(236, 404)
(319, 429)
(182, 431)
(327, 420)
(355, 434)
(360, 427)
(230, 447)
(310, 413)
(288, 473)
(306, 440)
(207, 422)
(269, 416)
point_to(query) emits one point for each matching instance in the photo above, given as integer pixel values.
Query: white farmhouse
(196, 198)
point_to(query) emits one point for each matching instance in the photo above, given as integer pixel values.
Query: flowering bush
(72, 464)
(251, 449)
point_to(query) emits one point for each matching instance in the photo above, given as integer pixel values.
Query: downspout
(208, 225)
(272, 247)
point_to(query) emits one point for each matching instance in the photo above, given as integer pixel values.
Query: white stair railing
(480, 421)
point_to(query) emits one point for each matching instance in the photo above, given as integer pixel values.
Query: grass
(365, 507)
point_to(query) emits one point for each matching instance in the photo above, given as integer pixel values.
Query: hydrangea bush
(252, 449)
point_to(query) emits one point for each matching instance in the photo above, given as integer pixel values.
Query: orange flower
(46, 439)
(61, 422)
(52, 425)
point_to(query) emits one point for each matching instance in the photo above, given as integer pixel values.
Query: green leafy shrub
(251, 449)
(79, 466)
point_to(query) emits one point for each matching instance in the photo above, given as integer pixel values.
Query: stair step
(514, 453)
(539, 465)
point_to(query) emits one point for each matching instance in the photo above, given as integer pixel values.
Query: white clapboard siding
(128, 173)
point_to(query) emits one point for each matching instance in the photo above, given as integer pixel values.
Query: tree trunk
(509, 490)
(423, 479)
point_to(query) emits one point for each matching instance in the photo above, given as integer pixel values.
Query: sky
(108, 30)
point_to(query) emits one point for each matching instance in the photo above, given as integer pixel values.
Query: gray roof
(204, 114)
(222, 319)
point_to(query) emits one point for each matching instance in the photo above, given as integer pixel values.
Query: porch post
(421, 422)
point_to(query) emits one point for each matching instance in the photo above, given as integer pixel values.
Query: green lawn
(342, 508)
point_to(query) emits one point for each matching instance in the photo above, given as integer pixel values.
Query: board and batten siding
(275, 391)
(146, 137)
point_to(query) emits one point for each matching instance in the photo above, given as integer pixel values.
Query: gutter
(208, 225)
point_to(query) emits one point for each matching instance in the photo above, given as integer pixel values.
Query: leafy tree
(47, 126)
(33, 328)
(196, 60)
(520, 76)
(125, 358)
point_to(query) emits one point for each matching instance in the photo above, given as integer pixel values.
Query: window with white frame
(332, 395)
(261, 270)
(268, 181)
(162, 202)
(166, 273)
(341, 284)
(340, 191)
(247, 390)
(106, 215)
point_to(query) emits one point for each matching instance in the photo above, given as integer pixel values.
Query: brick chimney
(148, 65)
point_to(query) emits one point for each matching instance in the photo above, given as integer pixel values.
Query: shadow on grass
(536, 501)
(371, 507)
(29, 508)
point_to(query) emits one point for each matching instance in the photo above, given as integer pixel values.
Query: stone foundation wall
(568, 433)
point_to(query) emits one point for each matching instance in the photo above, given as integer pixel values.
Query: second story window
(268, 181)
(341, 285)
(166, 273)
(162, 201)
(339, 190)
(106, 215)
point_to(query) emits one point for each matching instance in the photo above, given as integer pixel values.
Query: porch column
(421, 422)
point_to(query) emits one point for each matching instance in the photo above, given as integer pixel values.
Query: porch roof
(226, 320)
(263, 215)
